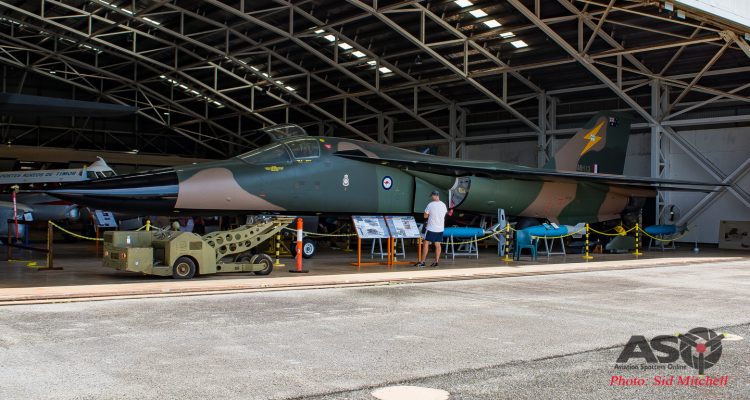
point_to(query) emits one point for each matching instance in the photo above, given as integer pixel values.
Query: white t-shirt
(436, 217)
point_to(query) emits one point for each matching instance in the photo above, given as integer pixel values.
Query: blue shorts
(433, 237)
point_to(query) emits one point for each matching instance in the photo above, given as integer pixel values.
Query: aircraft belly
(613, 205)
(553, 198)
(487, 195)
(589, 204)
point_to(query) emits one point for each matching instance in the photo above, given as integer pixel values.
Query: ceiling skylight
(478, 13)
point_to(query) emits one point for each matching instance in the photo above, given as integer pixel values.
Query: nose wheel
(308, 248)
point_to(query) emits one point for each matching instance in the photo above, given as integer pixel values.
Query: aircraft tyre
(267, 262)
(183, 268)
(309, 247)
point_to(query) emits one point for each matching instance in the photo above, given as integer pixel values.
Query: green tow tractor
(185, 254)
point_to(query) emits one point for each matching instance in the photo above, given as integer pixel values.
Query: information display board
(403, 227)
(105, 219)
(734, 235)
(370, 227)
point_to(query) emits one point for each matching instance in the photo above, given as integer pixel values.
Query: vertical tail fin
(599, 146)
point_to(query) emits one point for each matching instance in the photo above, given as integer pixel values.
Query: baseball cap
(435, 193)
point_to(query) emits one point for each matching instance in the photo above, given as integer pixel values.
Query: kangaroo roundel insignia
(387, 183)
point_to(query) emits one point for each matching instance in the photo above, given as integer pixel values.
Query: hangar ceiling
(206, 74)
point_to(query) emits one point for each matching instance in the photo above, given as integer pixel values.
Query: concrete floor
(81, 266)
(553, 336)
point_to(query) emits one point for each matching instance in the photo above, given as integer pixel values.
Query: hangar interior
(480, 79)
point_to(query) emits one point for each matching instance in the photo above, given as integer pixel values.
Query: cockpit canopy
(288, 142)
(283, 132)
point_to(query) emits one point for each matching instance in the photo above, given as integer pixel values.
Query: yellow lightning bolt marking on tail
(592, 138)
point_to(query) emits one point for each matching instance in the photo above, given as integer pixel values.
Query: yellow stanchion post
(507, 244)
(587, 255)
(637, 251)
(148, 225)
(278, 263)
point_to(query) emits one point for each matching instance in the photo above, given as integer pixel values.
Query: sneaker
(419, 264)
(435, 264)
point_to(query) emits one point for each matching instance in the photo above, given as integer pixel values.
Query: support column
(659, 145)
(547, 120)
(385, 129)
(381, 128)
(457, 131)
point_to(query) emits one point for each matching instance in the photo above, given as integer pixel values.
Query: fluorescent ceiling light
(358, 54)
(330, 38)
(151, 21)
(183, 86)
(493, 23)
(463, 3)
(319, 31)
(384, 70)
(478, 13)
(519, 43)
(506, 35)
(372, 62)
(289, 88)
(127, 11)
(280, 82)
(345, 46)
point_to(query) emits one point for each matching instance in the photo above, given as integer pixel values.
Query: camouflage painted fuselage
(333, 184)
(306, 175)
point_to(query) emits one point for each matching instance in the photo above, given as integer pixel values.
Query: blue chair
(525, 241)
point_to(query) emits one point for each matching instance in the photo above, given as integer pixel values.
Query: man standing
(435, 214)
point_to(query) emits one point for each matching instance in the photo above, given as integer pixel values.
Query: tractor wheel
(243, 258)
(184, 268)
(267, 262)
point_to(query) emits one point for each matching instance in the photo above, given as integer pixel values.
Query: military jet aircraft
(300, 174)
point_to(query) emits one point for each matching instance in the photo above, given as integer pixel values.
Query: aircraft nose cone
(142, 193)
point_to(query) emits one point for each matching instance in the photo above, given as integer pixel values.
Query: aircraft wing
(21, 104)
(444, 166)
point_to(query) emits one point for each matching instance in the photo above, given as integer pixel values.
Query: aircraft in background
(46, 207)
(300, 174)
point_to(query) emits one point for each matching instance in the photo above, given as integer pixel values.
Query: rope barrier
(86, 237)
(508, 227)
(623, 233)
(321, 234)
(74, 234)
(476, 240)
(666, 240)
